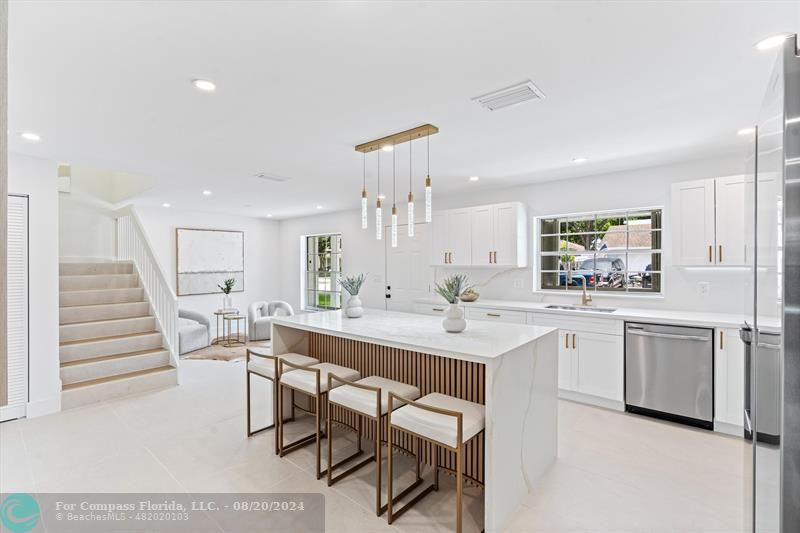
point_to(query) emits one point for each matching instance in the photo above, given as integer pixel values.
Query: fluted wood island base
(510, 368)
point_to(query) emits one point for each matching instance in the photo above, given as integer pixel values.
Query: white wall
(37, 178)
(87, 227)
(619, 190)
(261, 262)
(361, 253)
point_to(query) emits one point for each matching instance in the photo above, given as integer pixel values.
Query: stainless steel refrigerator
(772, 332)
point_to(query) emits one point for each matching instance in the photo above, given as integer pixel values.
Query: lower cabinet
(495, 315)
(728, 380)
(590, 359)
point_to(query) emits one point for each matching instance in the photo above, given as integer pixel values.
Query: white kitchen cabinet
(729, 220)
(490, 235)
(729, 378)
(693, 223)
(708, 222)
(590, 358)
(430, 309)
(495, 315)
(567, 362)
(600, 369)
(481, 220)
(452, 242)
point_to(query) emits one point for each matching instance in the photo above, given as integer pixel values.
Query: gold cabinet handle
(495, 257)
(493, 314)
(438, 309)
(573, 341)
(566, 341)
(710, 251)
(490, 257)
(721, 341)
(720, 253)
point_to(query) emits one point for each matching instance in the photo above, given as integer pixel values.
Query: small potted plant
(226, 288)
(451, 290)
(352, 284)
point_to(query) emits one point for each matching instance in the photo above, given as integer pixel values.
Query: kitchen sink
(581, 308)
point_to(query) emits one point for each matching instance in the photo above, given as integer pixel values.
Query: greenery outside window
(322, 269)
(614, 251)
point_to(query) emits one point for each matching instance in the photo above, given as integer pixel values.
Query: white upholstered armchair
(194, 331)
(259, 318)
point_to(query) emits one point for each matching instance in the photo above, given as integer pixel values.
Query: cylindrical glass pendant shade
(394, 227)
(428, 200)
(410, 215)
(364, 216)
(378, 221)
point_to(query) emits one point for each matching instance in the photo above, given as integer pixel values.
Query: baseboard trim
(728, 429)
(591, 400)
(43, 407)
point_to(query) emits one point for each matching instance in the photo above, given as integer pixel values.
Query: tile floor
(615, 473)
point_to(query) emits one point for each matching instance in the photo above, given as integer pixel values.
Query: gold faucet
(586, 298)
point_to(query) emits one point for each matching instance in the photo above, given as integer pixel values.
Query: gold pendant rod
(425, 130)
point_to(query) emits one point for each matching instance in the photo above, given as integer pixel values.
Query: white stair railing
(133, 245)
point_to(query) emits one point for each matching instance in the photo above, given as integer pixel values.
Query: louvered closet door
(17, 308)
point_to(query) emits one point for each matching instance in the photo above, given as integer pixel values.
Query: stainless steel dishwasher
(669, 373)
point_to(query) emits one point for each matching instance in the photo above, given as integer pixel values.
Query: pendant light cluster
(390, 143)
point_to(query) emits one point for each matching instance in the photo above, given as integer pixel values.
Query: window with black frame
(323, 266)
(616, 251)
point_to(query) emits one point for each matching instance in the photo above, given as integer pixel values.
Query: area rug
(221, 353)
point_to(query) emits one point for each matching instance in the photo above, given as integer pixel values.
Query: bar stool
(444, 421)
(266, 366)
(367, 398)
(313, 381)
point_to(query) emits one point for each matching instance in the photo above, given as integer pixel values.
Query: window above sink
(612, 252)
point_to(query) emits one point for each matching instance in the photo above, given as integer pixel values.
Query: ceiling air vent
(271, 177)
(508, 96)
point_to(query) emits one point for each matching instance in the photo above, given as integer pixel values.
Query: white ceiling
(299, 84)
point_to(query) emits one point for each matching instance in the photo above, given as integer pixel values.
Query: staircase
(110, 343)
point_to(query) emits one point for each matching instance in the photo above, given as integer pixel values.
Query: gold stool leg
(378, 467)
(389, 480)
(459, 486)
(316, 428)
(329, 434)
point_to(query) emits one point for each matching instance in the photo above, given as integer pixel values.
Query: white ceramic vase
(454, 319)
(227, 301)
(353, 308)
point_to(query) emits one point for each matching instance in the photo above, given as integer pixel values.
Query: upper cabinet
(708, 222)
(452, 241)
(489, 235)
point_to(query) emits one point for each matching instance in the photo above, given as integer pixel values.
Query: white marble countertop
(670, 316)
(419, 333)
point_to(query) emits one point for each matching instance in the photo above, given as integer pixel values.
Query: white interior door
(409, 275)
(17, 287)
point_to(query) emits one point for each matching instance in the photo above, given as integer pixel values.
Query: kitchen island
(511, 369)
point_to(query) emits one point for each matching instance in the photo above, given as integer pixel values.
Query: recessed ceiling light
(319, 207)
(29, 136)
(772, 41)
(381, 197)
(269, 215)
(387, 148)
(579, 160)
(206, 193)
(746, 131)
(204, 85)
(474, 178)
(165, 204)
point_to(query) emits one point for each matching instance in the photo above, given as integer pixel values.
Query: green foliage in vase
(352, 284)
(453, 287)
(227, 285)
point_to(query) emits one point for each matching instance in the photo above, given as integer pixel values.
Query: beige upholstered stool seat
(364, 401)
(439, 427)
(306, 380)
(264, 366)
